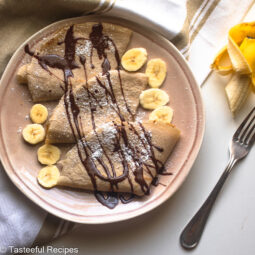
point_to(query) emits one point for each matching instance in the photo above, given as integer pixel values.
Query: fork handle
(191, 234)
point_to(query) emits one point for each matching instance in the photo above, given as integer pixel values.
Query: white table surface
(230, 229)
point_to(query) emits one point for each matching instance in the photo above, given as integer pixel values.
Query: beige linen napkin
(197, 27)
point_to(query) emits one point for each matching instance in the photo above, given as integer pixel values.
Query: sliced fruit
(38, 113)
(237, 91)
(134, 59)
(153, 98)
(48, 154)
(48, 176)
(162, 114)
(33, 133)
(156, 72)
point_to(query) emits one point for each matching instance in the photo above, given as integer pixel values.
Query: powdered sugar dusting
(111, 47)
(97, 154)
(140, 116)
(19, 130)
(84, 49)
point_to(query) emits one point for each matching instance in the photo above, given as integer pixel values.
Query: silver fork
(239, 147)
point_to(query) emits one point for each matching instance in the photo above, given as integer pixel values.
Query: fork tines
(246, 131)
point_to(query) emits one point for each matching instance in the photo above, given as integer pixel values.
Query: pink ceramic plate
(19, 158)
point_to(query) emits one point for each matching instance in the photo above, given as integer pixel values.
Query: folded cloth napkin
(198, 28)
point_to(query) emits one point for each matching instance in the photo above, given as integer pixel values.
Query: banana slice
(48, 176)
(48, 154)
(38, 113)
(153, 98)
(33, 133)
(156, 72)
(162, 114)
(134, 59)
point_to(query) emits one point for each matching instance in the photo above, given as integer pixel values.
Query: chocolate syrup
(155, 181)
(108, 199)
(126, 198)
(101, 42)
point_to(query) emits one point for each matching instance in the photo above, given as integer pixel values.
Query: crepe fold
(119, 157)
(103, 99)
(47, 85)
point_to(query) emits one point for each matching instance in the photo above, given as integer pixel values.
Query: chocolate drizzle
(109, 199)
(122, 144)
(101, 43)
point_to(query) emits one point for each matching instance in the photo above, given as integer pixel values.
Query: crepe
(107, 97)
(126, 157)
(46, 83)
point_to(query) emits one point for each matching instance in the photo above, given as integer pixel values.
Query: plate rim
(181, 176)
